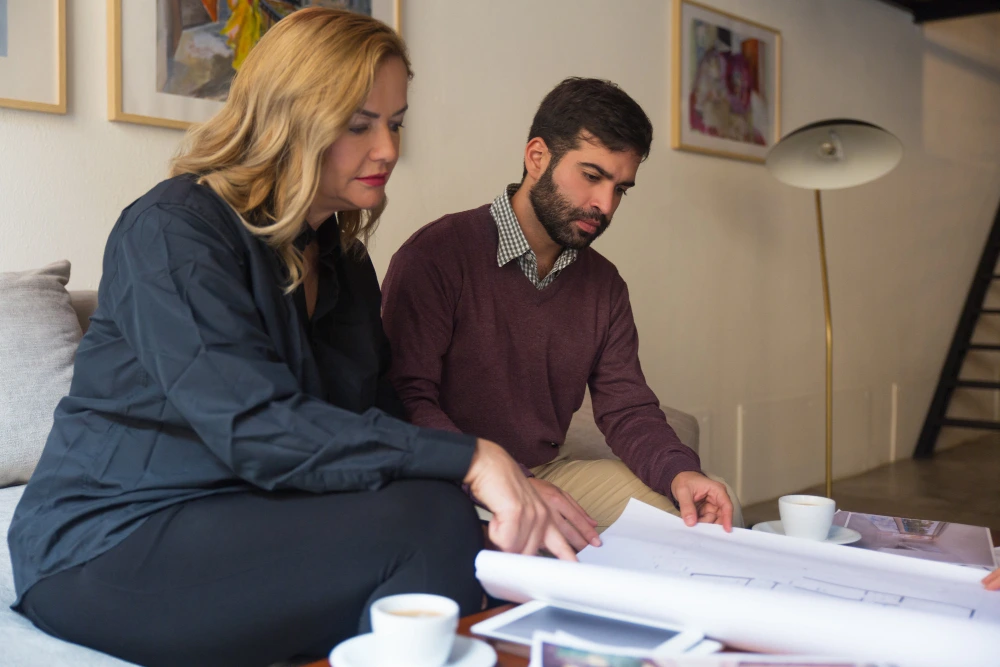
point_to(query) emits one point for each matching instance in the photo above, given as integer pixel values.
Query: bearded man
(501, 317)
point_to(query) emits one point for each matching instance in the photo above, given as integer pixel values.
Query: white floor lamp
(830, 155)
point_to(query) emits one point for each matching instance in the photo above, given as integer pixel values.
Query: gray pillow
(39, 333)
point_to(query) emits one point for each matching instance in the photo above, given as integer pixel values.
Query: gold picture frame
(148, 105)
(726, 83)
(13, 99)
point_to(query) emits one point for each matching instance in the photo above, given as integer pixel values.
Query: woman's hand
(578, 527)
(521, 522)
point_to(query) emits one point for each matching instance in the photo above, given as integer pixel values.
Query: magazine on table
(942, 541)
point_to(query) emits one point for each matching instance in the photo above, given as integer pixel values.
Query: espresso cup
(808, 517)
(414, 629)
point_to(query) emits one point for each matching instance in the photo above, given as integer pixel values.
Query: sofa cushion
(39, 332)
(84, 303)
(586, 442)
(22, 644)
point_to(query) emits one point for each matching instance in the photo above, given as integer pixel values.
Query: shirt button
(554, 444)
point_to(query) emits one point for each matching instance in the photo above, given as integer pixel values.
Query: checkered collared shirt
(513, 245)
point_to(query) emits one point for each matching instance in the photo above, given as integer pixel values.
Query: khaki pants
(603, 488)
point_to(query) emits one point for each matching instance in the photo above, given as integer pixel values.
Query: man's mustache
(580, 214)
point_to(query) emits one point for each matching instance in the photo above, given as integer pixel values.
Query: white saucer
(360, 652)
(838, 534)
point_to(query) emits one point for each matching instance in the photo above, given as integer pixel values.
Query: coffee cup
(808, 517)
(414, 629)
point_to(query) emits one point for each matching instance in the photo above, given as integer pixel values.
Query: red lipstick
(375, 180)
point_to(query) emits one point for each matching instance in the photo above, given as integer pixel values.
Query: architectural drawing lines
(884, 598)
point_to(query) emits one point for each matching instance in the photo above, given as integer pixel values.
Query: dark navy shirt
(200, 376)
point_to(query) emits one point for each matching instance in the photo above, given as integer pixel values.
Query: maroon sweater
(478, 349)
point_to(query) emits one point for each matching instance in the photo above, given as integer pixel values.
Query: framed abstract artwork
(170, 62)
(726, 83)
(33, 55)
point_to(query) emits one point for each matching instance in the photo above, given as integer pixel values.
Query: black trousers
(253, 578)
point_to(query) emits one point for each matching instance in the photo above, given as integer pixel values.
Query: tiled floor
(961, 484)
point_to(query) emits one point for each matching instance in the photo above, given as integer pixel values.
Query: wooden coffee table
(508, 654)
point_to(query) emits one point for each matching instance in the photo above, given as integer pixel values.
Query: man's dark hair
(597, 107)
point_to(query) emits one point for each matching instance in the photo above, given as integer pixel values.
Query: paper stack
(767, 593)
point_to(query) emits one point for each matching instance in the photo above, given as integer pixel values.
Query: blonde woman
(226, 483)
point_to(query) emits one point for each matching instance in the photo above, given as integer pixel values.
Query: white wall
(720, 258)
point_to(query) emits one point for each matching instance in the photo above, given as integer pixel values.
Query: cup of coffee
(808, 517)
(414, 629)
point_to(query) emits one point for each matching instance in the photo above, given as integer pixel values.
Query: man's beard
(557, 215)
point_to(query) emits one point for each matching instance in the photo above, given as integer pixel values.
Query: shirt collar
(512, 243)
(327, 236)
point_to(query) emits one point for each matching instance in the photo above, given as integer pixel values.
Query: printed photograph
(919, 527)
(554, 655)
(795, 664)
(202, 43)
(941, 541)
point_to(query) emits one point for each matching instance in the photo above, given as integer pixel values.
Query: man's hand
(992, 581)
(521, 521)
(574, 523)
(702, 500)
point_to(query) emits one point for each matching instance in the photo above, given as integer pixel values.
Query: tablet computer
(520, 624)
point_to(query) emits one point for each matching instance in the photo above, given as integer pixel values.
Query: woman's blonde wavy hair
(293, 96)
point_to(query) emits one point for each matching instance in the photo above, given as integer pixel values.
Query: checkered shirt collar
(513, 244)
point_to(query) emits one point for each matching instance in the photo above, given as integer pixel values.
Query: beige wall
(721, 259)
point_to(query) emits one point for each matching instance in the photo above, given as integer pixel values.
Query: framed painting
(33, 55)
(170, 62)
(726, 83)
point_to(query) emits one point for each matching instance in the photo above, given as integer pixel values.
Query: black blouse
(200, 376)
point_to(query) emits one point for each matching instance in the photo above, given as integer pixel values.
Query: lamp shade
(833, 154)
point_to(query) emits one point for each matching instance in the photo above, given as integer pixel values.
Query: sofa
(41, 322)
(34, 374)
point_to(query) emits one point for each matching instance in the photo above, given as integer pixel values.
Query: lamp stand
(829, 349)
(830, 155)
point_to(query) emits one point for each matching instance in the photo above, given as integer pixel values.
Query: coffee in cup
(808, 517)
(415, 612)
(414, 629)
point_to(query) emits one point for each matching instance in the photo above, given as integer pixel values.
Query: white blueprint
(645, 539)
(767, 593)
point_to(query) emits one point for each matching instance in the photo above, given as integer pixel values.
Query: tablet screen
(597, 629)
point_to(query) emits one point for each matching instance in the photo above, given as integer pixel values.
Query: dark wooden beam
(940, 10)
